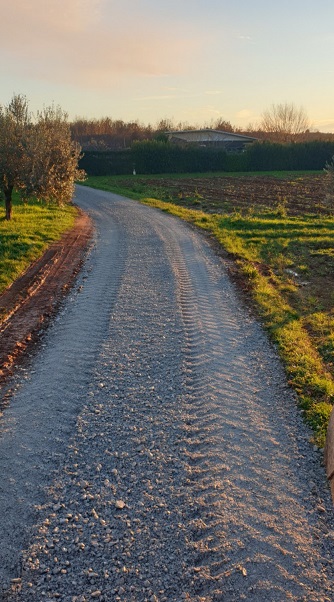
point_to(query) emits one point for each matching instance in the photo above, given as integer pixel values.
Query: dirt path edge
(30, 302)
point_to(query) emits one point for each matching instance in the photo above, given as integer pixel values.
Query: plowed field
(297, 194)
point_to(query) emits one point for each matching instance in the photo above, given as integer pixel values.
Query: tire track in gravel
(252, 527)
(183, 470)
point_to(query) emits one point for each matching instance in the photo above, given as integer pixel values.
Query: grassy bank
(33, 227)
(283, 255)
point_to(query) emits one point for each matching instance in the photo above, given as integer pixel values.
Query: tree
(37, 157)
(52, 166)
(15, 122)
(285, 122)
(165, 125)
(222, 124)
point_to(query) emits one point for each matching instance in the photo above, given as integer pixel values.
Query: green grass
(112, 180)
(23, 239)
(286, 265)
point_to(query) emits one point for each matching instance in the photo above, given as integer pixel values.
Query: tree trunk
(8, 201)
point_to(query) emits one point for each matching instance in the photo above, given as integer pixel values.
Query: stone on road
(151, 449)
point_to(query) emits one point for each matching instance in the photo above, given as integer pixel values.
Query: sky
(189, 61)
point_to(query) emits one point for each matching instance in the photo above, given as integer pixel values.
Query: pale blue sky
(188, 60)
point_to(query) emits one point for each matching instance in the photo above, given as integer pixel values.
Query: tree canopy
(37, 154)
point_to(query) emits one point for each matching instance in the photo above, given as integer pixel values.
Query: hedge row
(160, 157)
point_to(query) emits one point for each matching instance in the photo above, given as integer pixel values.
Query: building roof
(207, 135)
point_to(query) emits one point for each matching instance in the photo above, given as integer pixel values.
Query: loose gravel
(152, 450)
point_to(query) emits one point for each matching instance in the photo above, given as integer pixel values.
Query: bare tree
(165, 125)
(222, 124)
(285, 122)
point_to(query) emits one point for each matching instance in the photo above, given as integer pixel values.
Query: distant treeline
(161, 157)
(115, 134)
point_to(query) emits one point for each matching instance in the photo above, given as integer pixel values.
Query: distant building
(211, 138)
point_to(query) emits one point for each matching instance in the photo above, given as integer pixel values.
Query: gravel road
(151, 449)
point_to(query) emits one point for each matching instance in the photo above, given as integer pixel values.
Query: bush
(107, 163)
(161, 157)
(153, 157)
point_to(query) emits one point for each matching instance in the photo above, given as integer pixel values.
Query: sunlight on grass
(23, 239)
(286, 263)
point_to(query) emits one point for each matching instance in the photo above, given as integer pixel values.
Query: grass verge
(23, 239)
(286, 264)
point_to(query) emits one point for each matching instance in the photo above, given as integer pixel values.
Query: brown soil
(297, 194)
(29, 303)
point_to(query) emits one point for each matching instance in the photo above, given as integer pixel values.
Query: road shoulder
(30, 302)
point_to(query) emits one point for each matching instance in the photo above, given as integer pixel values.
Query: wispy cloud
(41, 19)
(71, 41)
(175, 89)
(213, 92)
(180, 94)
(244, 114)
(324, 125)
(157, 97)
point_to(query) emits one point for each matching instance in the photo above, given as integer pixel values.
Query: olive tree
(285, 122)
(52, 158)
(37, 156)
(15, 123)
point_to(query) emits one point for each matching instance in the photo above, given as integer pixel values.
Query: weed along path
(152, 450)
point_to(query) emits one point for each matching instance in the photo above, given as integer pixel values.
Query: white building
(211, 138)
